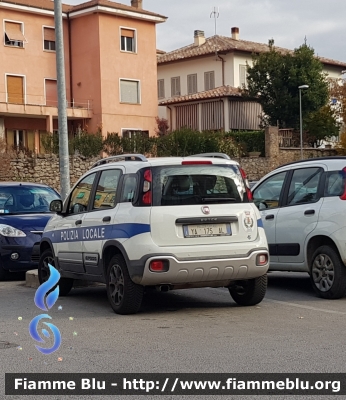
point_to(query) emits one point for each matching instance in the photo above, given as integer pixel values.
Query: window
(175, 86)
(335, 183)
(127, 41)
(242, 75)
(51, 89)
(14, 34)
(15, 89)
(132, 133)
(161, 88)
(192, 84)
(267, 195)
(129, 189)
(304, 185)
(49, 38)
(107, 189)
(129, 91)
(209, 80)
(80, 195)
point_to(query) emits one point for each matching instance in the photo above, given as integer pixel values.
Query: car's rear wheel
(328, 273)
(249, 292)
(47, 257)
(125, 297)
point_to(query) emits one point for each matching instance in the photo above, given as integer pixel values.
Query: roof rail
(214, 155)
(120, 157)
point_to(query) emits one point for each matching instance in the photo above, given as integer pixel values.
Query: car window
(196, 184)
(267, 194)
(335, 183)
(304, 186)
(106, 189)
(80, 195)
(129, 188)
(26, 199)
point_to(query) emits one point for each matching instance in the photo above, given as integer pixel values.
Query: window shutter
(49, 34)
(192, 83)
(242, 75)
(129, 92)
(209, 80)
(127, 33)
(175, 86)
(13, 31)
(161, 88)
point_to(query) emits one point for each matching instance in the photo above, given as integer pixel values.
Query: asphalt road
(198, 330)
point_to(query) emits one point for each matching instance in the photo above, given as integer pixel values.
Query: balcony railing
(39, 100)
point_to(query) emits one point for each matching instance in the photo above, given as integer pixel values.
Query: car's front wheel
(249, 292)
(125, 297)
(328, 273)
(47, 257)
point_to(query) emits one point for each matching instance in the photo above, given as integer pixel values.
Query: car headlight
(9, 231)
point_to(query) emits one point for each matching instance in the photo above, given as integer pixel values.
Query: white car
(303, 209)
(169, 223)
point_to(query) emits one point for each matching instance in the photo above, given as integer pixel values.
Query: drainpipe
(223, 69)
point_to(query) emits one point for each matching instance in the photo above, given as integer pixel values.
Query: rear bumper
(207, 272)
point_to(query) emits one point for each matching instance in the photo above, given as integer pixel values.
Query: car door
(98, 222)
(69, 240)
(299, 215)
(267, 197)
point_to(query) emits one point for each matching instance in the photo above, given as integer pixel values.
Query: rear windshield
(197, 184)
(335, 183)
(26, 199)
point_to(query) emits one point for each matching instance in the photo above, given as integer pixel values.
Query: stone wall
(45, 168)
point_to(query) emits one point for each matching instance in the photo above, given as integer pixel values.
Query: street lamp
(301, 118)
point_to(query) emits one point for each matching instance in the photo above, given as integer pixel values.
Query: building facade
(198, 85)
(110, 69)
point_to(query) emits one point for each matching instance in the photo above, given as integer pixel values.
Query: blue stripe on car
(97, 232)
(260, 223)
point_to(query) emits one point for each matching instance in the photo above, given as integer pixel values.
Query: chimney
(199, 38)
(137, 3)
(235, 33)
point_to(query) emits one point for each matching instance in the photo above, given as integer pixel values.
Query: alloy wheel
(323, 272)
(116, 284)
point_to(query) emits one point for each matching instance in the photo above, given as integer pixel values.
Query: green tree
(274, 79)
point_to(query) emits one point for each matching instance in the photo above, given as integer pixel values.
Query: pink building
(110, 69)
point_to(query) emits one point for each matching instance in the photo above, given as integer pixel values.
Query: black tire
(47, 257)
(4, 274)
(124, 296)
(249, 292)
(328, 273)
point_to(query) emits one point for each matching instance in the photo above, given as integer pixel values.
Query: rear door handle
(106, 219)
(309, 212)
(78, 222)
(271, 216)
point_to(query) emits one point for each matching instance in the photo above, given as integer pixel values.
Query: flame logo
(45, 300)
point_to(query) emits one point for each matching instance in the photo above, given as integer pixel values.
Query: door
(15, 89)
(69, 228)
(267, 197)
(98, 223)
(298, 218)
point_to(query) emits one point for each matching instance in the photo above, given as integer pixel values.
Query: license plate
(207, 230)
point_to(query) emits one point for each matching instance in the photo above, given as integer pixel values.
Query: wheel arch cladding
(111, 249)
(316, 242)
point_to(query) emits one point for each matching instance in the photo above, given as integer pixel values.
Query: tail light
(147, 192)
(261, 259)
(159, 265)
(195, 162)
(343, 196)
(247, 186)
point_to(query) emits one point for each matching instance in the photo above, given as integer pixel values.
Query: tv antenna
(215, 14)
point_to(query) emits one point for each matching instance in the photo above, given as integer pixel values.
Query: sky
(288, 22)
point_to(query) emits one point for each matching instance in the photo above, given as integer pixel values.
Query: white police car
(169, 223)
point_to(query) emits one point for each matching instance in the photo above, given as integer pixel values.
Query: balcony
(40, 107)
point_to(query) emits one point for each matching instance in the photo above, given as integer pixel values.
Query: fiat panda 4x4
(169, 223)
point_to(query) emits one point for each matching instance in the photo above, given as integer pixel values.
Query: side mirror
(56, 206)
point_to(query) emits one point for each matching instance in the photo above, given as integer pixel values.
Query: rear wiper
(216, 199)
